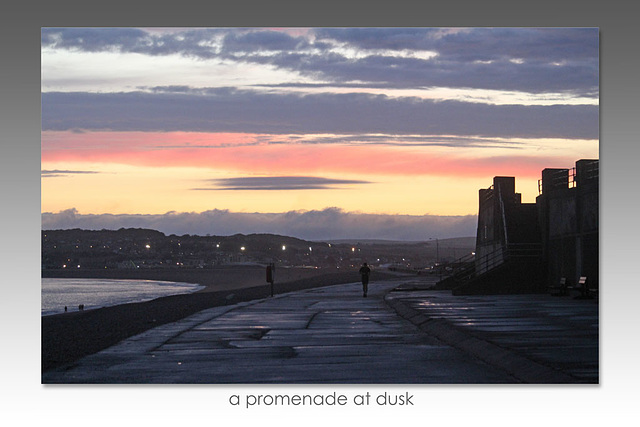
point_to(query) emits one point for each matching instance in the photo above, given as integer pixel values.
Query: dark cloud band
(58, 173)
(226, 110)
(280, 183)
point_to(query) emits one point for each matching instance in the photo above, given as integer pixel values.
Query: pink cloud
(248, 152)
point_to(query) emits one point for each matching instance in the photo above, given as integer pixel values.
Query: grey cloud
(361, 139)
(411, 141)
(555, 59)
(530, 44)
(472, 44)
(380, 38)
(261, 40)
(327, 224)
(187, 42)
(280, 183)
(58, 173)
(94, 39)
(391, 72)
(170, 89)
(246, 111)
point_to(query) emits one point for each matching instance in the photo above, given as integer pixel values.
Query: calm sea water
(95, 293)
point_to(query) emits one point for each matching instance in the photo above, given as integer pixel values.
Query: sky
(317, 133)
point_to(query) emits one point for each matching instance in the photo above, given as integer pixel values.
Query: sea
(96, 293)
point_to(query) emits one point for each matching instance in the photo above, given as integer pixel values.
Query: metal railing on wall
(474, 266)
(559, 179)
(590, 170)
(488, 195)
(464, 268)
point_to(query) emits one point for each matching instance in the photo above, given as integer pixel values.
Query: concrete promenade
(399, 334)
(536, 338)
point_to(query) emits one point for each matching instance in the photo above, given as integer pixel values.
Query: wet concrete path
(537, 338)
(325, 335)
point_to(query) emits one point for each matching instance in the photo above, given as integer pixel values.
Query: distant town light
(242, 248)
(284, 247)
(353, 249)
(148, 246)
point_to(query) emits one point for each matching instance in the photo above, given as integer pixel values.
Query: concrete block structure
(568, 211)
(508, 244)
(526, 247)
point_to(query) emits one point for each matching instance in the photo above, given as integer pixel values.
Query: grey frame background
(20, 183)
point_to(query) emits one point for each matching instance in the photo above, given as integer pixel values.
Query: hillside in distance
(145, 248)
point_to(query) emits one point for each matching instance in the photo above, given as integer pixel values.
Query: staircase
(511, 270)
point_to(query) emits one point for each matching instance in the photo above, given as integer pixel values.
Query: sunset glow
(146, 122)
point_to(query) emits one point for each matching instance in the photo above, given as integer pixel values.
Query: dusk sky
(318, 133)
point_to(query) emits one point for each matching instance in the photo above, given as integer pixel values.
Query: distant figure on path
(364, 273)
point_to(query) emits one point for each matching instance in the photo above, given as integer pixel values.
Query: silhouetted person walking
(364, 273)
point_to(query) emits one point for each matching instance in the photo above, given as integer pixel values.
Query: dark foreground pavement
(334, 335)
(536, 338)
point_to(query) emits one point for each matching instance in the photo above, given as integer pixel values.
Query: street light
(438, 257)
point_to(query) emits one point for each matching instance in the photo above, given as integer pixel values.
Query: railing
(487, 262)
(490, 260)
(558, 179)
(590, 170)
(464, 268)
(487, 195)
(504, 216)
